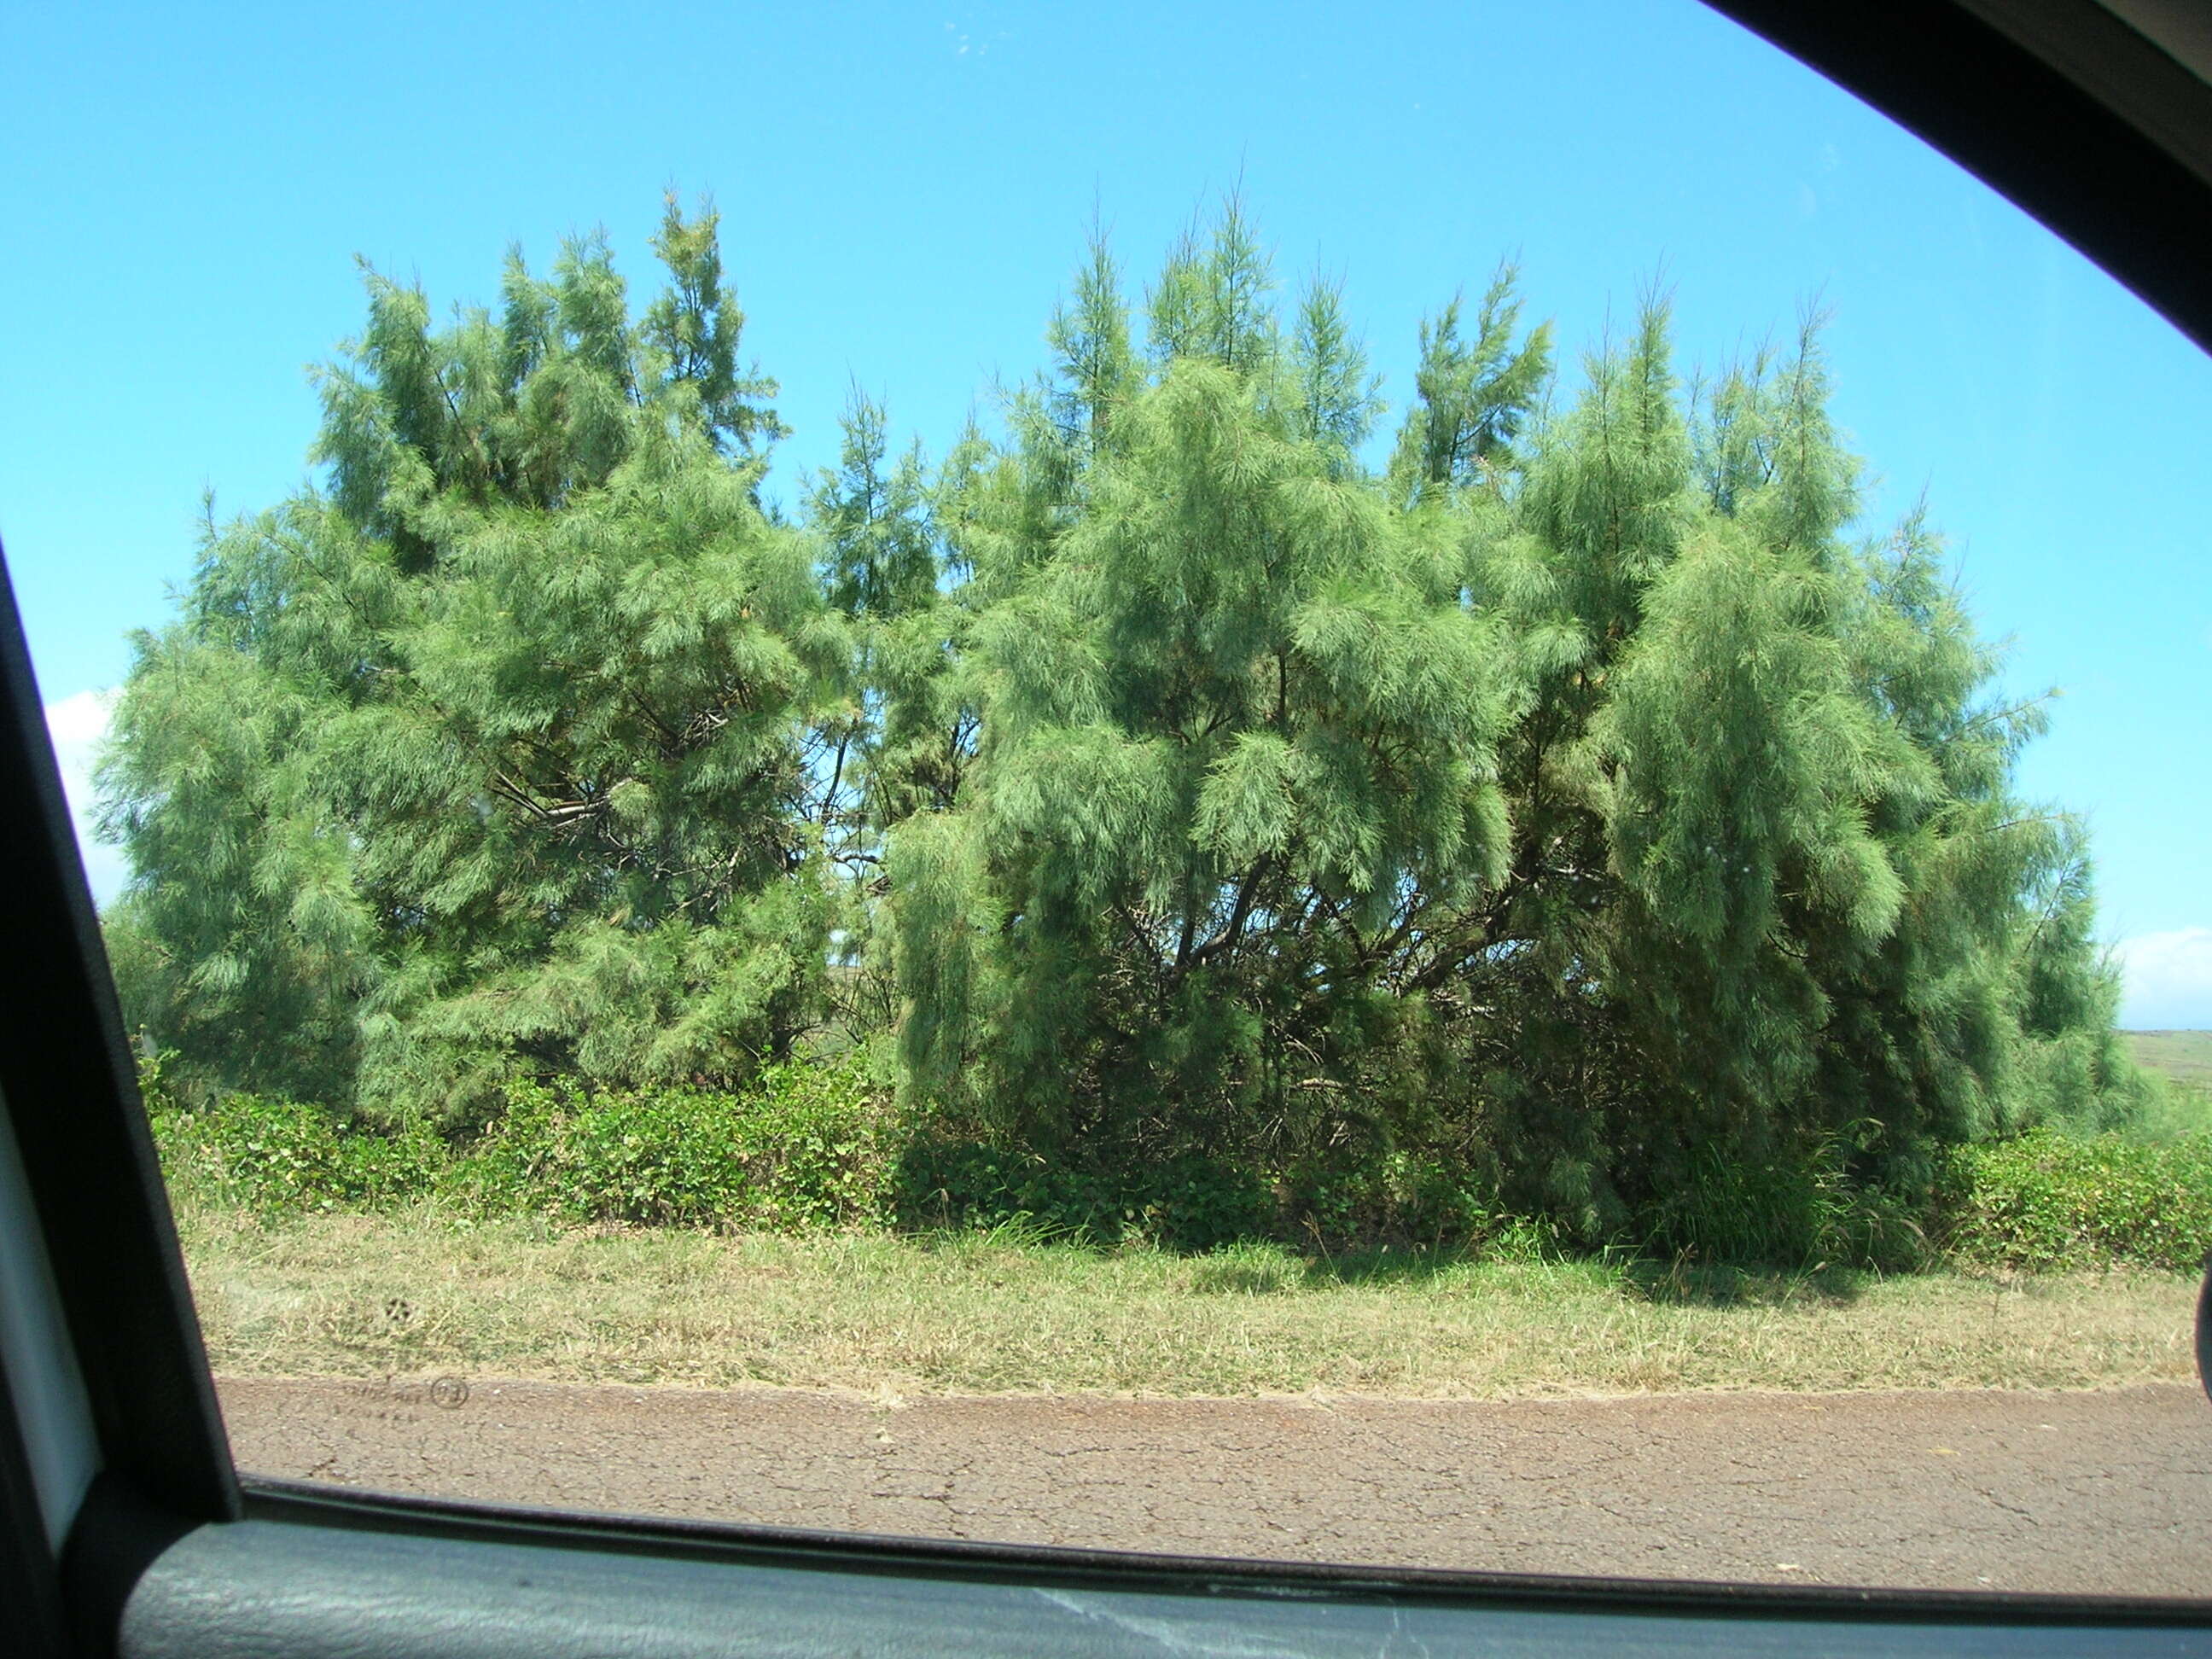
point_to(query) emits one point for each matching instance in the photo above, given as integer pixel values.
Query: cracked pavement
(2095, 1493)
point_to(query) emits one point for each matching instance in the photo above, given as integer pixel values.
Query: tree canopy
(1547, 806)
(500, 751)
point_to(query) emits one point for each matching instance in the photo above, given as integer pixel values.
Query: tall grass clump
(2171, 1109)
(1799, 1205)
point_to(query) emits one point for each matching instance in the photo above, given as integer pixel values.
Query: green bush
(1392, 1199)
(1201, 1204)
(1195, 1203)
(818, 1145)
(1797, 1207)
(943, 1183)
(806, 1147)
(1190, 1203)
(2049, 1201)
(261, 1154)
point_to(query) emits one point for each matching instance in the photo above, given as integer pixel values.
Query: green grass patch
(2183, 1056)
(425, 1290)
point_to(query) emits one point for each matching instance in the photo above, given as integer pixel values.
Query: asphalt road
(2097, 1493)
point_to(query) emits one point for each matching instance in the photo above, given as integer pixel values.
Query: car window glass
(1414, 792)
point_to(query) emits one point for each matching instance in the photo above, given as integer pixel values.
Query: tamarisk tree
(1571, 808)
(1558, 805)
(1238, 767)
(499, 753)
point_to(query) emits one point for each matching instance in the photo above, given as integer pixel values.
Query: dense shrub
(1389, 1199)
(1392, 1198)
(1188, 1204)
(806, 1147)
(2048, 1202)
(1796, 1207)
(261, 1154)
(948, 1183)
(819, 1146)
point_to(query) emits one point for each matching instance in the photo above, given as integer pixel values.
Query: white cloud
(2169, 980)
(76, 725)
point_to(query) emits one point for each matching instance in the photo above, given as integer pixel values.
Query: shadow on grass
(1389, 1265)
(1253, 1269)
(1266, 1267)
(1261, 1270)
(1238, 1274)
(1695, 1284)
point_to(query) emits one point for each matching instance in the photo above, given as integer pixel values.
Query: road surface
(2099, 1492)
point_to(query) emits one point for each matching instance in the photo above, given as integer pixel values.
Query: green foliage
(806, 1147)
(1802, 1207)
(1576, 807)
(1395, 1200)
(1191, 1204)
(816, 1146)
(945, 1184)
(268, 1155)
(1474, 396)
(1236, 749)
(498, 754)
(1579, 829)
(2047, 1200)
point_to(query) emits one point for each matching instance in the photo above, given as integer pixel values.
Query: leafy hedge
(809, 1147)
(250, 1152)
(806, 1147)
(819, 1146)
(2048, 1201)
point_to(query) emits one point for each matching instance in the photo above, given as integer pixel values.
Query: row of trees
(1569, 799)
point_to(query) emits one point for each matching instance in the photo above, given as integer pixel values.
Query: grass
(424, 1290)
(2185, 1056)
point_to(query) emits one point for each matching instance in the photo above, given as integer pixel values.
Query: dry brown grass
(366, 1296)
(2185, 1056)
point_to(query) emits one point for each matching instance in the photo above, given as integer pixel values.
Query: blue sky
(905, 189)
